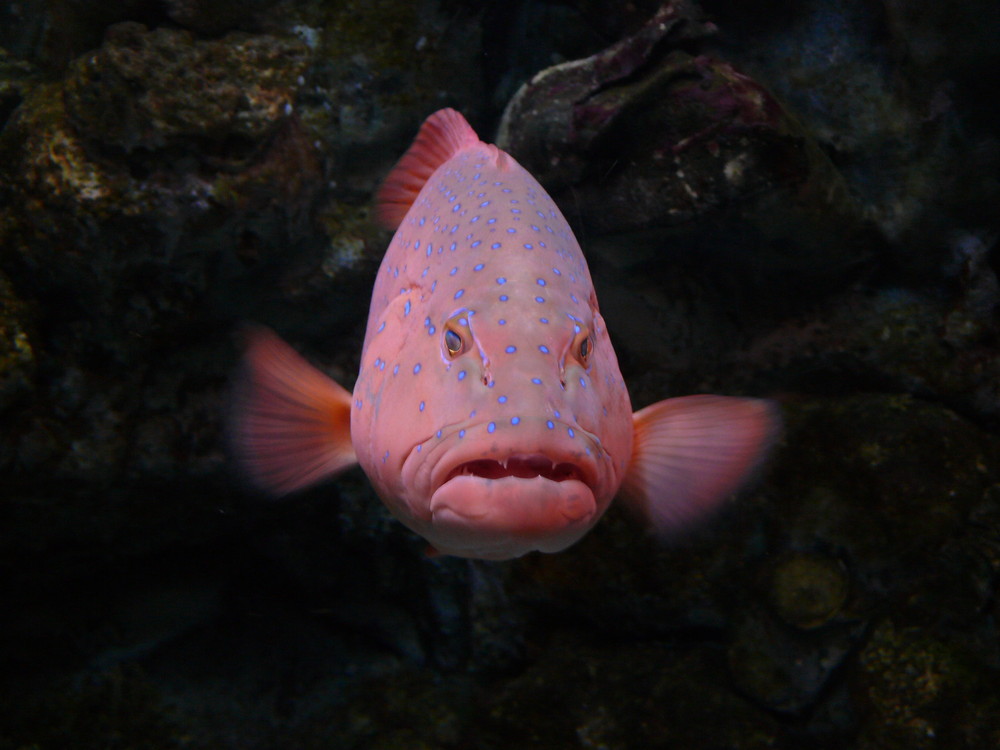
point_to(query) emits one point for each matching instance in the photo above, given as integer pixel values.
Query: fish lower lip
(521, 467)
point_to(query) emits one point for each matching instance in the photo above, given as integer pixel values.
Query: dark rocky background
(792, 199)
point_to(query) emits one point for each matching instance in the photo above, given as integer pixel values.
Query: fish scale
(489, 410)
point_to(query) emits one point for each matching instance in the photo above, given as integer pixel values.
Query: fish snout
(491, 491)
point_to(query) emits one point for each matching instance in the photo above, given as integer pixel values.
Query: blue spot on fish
(495, 246)
(380, 327)
(511, 349)
(536, 381)
(421, 406)
(459, 293)
(461, 375)
(569, 431)
(478, 267)
(491, 426)
(540, 282)
(504, 297)
(461, 433)
(550, 424)
(477, 243)
(539, 300)
(501, 280)
(416, 368)
(543, 349)
(502, 400)
(515, 420)
(406, 308)
(395, 370)
(453, 271)
(502, 322)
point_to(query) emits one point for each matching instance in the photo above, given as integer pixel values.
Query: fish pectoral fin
(692, 453)
(290, 425)
(442, 135)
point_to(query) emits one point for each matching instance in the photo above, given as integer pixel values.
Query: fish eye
(456, 338)
(583, 346)
(452, 342)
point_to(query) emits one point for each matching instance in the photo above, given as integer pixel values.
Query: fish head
(499, 426)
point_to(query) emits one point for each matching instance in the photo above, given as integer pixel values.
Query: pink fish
(489, 412)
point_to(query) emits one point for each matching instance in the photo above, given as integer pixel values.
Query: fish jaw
(500, 495)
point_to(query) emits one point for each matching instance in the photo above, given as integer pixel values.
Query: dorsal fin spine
(442, 135)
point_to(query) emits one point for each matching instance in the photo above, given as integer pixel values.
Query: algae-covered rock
(896, 94)
(17, 77)
(156, 89)
(924, 692)
(656, 135)
(808, 590)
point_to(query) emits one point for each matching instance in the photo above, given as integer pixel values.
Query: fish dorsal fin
(442, 135)
(691, 453)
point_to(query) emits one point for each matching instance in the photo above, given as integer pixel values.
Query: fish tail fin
(692, 453)
(442, 135)
(290, 425)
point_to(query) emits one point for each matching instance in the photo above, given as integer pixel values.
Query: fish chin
(502, 517)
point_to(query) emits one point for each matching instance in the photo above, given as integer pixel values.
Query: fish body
(489, 412)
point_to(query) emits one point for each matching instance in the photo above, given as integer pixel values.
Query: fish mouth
(537, 451)
(520, 467)
(539, 488)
